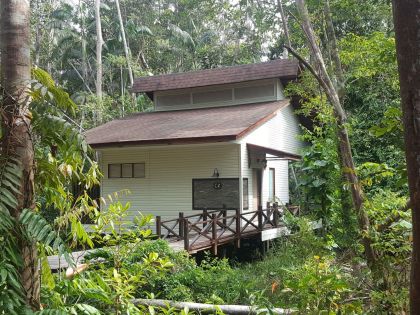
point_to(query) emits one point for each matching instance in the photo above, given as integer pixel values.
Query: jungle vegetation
(67, 66)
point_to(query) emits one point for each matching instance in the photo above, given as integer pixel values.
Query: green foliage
(62, 156)
(12, 298)
(393, 243)
(319, 287)
(38, 229)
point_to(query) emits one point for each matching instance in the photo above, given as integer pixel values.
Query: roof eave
(193, 140)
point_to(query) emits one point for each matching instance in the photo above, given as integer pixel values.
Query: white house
(218, 138)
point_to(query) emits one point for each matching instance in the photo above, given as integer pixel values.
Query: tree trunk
(285, 25)
(16, 122)
(99, 44)
(84, 48)
(407, 33)
(127, 53)
(126, 49)
(345, 153)
(338, 69)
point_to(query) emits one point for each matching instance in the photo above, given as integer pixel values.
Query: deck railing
(211, 228)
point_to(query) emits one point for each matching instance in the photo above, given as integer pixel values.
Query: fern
(10, 174)
(12, 297)
(39, 229)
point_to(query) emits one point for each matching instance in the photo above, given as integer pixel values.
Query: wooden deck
(207, 230)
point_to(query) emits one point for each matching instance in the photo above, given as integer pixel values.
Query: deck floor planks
(202, 243)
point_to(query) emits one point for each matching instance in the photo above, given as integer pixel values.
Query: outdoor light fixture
(215, 173)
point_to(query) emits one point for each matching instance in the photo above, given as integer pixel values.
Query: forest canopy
(68, 66)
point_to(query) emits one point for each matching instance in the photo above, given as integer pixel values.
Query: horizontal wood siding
(280, 133)
(281, 181)
(167, 187)
(281, 177)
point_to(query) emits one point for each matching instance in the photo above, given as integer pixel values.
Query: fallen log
(209, 308)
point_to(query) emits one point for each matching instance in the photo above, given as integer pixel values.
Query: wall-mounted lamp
(216, 173)
(263, 162)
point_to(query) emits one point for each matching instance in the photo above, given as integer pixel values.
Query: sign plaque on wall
(218, 193)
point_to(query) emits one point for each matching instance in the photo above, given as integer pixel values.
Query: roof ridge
(217, 68)
(286, 69)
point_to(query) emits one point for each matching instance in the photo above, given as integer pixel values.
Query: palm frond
(39, 229)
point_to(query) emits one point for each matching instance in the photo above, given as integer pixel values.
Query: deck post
(186, 238)
(224, 215)
(276, 214)
(158, 226)
(214, 233)
(260, 218)
(181, 224)
(205, 215)
(238, 228)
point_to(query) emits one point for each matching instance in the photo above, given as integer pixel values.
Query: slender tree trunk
(285, 25)
(99, 44)
(16, 122)
(83, 39)
(345, 153)
(338, 69)
(126, 49)
(407, 33)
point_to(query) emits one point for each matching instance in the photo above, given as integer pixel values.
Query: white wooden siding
(218, 95)
(280, 133)
(281, 179)
(167, 187)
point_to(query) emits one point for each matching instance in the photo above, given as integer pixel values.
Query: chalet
(216, 139)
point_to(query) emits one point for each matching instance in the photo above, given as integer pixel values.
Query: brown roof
(184, 126)
(285, 69)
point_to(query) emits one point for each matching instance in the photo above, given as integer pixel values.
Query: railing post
(238, 228)
(181, 224)
(276, 214)
(186, 237)
(260, 218)
(205, 215)
(158, 226)
(214, 233)
(224, 215)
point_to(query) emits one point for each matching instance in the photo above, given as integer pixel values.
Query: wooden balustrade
(211, 228)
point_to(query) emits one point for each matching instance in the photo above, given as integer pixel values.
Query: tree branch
(307, 65)
(395, 218)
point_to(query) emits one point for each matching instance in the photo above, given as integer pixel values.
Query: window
(245, 194)
(174, 99)
(212, 96)
(126, 170)
(271, 184)
(114, 170)
(139, 170)
(246, 92)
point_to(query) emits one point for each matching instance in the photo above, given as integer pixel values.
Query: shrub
(318, 286)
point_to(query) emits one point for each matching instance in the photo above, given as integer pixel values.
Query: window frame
(109, 169)
(121, 170)
(271, 183)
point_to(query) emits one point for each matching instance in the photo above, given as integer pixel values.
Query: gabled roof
(215, 124)
(285, 69)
